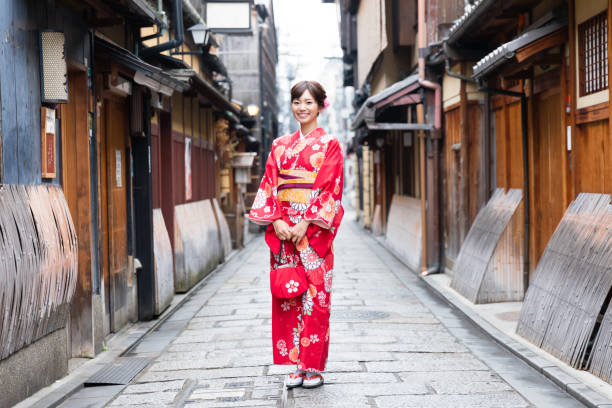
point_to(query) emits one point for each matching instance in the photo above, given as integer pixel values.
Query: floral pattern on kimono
(302, 180)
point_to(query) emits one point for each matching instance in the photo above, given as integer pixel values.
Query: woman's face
(305, 109)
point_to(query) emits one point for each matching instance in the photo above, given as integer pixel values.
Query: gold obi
(295, 185)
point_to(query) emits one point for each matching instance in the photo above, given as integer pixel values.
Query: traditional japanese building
(513, 177)
(250, 55)
(109, 174)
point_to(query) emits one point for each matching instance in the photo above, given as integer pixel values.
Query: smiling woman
(307, 100)
(300, 200)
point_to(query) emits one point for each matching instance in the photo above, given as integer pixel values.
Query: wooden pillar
(372, 185)
(609, 62)
(357, 186)
(464, 191)
(565, 92)
(573, 93)
(367, 213)
(531, 165)
(423, 192)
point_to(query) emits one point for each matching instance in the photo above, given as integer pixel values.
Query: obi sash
(295, 185)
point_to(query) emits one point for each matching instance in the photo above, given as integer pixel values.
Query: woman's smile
(305, 108)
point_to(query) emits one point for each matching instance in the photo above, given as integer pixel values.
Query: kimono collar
(315, 132)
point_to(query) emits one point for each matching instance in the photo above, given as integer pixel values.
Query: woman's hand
(299, 231)
(282, 230)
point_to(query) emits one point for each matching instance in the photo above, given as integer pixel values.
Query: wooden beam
(390, 99)
(551, 79)
(526, 74)
(544, 43)
(407, 100)
(105, 22)
(593, 113)
(538, 59)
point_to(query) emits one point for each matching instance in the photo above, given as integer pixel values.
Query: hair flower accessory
(326, 104)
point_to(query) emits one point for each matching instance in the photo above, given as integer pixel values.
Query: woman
(300, 200)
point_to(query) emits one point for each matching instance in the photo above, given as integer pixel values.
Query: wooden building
(104, 141)
(544, 76)
(522, 164)
(397, 124)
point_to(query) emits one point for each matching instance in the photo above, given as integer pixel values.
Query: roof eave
(467, 20)
(507, 51)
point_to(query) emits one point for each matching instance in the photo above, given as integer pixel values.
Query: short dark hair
(316, 90)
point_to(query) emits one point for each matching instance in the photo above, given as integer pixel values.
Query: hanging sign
(118, 170)
(188, 186)
(48, 162)
(228, 16)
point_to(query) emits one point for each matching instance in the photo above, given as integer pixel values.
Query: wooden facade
(571, 286)
(461, 196)
(526, 108)
(53, 211)
(76, 184)
(113, 146)
(551, 138)
(82, 226)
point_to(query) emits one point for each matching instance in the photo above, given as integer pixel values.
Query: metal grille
(593, 54)
(120, 371)
(53, 63)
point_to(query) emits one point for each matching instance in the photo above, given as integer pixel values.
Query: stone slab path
(393, 344)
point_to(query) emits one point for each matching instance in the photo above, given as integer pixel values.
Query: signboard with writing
(188, 189)
(118, 171)
(228, 16)
(48, 153)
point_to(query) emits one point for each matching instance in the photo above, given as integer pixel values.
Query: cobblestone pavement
(393, 344)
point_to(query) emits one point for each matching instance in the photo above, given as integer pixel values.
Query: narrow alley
(145, 144)
(393, 344)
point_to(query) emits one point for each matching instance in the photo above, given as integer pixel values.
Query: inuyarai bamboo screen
(593, 54)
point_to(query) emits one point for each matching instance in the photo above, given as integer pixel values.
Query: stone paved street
(393, 344)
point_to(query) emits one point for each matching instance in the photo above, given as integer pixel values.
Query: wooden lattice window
(593, 54)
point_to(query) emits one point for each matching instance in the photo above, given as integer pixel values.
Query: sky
(309, 49)
(308, 30)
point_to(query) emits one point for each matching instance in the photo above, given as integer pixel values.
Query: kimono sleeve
(266, 207)
(327, 189)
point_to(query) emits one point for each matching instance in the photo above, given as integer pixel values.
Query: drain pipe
(177, 23)
(435, 138)
(162, 27)
(453, 74)
(526, 197)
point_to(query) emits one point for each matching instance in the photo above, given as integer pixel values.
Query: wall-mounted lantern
(199, 34)
(53, 68)
(252, 110)
(229, 16)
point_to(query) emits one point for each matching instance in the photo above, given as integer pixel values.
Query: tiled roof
(374, 99)
(465, 19)
(507, 50)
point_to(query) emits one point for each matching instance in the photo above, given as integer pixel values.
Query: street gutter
(120, 344)
(568, 383)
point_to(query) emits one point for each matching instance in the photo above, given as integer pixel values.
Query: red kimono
(302, 180)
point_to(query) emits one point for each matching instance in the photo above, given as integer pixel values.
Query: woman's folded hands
(294, 234)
